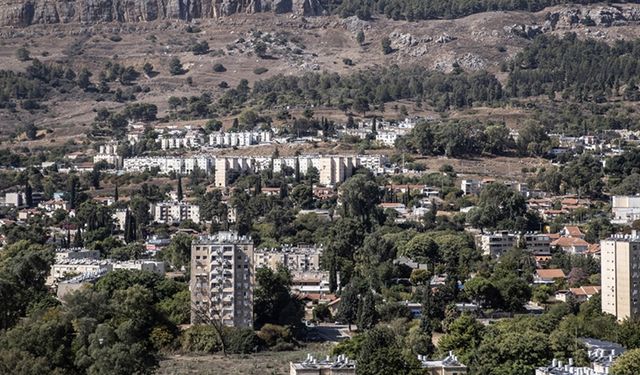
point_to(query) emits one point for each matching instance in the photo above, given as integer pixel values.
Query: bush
(22, 54)
(348, 62)
(242, 340)
(219, 68)
(260, 70)
(277, 337)
(201, 339)
(115, 38)
(322, 313)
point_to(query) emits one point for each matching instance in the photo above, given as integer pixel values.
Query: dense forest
(580, 69)
(414, 10)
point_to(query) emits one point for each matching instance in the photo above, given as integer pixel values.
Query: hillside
(294, 45)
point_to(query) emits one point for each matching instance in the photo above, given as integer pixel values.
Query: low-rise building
(571, 245)
(447, 366)
(75, 267)
(580, 294)
(340, 365)
(548, 276)
(311, 282)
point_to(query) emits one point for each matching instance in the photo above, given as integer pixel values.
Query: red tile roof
(549, 274)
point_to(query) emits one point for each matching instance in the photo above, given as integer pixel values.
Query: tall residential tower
(222, 279)
(620, 274)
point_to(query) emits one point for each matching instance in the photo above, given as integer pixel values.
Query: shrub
(260, 70)
(242, 340)
(348, 62)
(201, 339)
(275, 336)
(219, 68)
(22, 54)
(115, 38)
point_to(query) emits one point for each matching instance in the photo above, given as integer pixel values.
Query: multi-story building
(148, 265)
(620, 275)
(109, 154)
(175, 212)
(496, 244)
(340, 365)
(537, 243)
(625, 209)
(169, 164)
(298, 258)
(76, 253)
(239, 139)
(75, 267)
(19, 199)
(222, 279)
(472, 187)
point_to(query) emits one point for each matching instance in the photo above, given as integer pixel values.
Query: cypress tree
(115, 194)
(77, 240)
(367, 314)
(28, 194)
(179, 192)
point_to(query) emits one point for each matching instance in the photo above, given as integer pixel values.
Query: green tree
(367, 314)
(22, 54)
(348, 307)
(360, 37)
(627, 364)
(178, 253)
(273, 302)
(360, 196)
(175, 67)
(386, 45)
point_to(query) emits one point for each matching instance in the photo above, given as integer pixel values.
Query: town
(319, 187)
(330, 247)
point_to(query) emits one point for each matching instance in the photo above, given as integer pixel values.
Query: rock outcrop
(28, 12)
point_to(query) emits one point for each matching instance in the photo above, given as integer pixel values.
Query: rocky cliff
(28, 12)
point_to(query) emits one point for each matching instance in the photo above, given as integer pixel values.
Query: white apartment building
(620, 275)
(175, 212)
(389, 137)
(374, 163)
(496, 244)
(222, 279)
(169, 164)
(239, 139)
(298, 258)
(66, 267)
(148, 265)
(63, 255)
(450, 365)
(625, 209)
(471, 187)
(109, 154)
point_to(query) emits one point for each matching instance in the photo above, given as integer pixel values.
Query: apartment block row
(240, 139)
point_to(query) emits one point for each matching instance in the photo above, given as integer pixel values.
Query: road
(333, 332)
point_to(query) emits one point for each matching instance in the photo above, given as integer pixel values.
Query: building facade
(295, 258)
(222, 279)
(175, 212)
(620, 275)
(625, 209)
